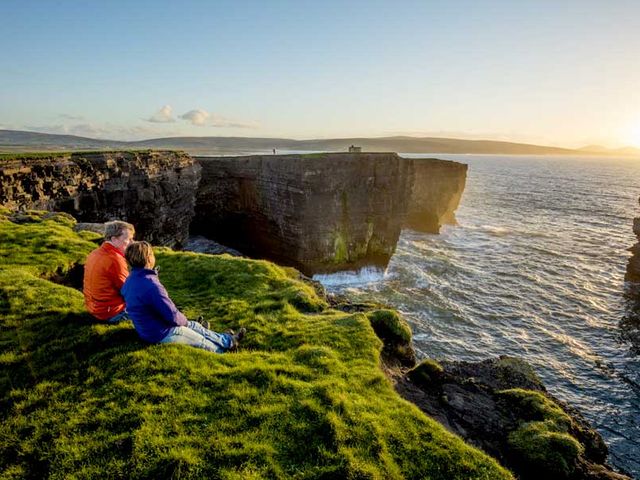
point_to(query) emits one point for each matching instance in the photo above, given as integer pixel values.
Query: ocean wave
(359, 277)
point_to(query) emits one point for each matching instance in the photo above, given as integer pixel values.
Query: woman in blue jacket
(155, 317)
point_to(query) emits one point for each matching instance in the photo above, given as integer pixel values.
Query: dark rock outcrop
(501, 406)
(323, 212)
(435, 195)
(200, 244)
(152, 190)
(633, 266)
(630, 323)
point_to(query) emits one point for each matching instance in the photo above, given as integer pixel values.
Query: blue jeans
(116, 319)
(198, 336)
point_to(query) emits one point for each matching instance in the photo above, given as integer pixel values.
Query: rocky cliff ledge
(324, 212)
(320, 213)
(436, 192)
(153, 190)
(501, 406)
(633, 267)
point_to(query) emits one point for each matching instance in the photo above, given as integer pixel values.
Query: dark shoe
(203, 322)
(240, 335)
(236, 337)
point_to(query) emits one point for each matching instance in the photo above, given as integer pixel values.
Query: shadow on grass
(58, 348)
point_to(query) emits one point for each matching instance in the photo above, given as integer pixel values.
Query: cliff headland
(324, 212)
(320, 213)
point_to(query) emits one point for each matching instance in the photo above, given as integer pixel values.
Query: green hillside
(304, 398)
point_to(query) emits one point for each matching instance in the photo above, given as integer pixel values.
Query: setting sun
(634, 134)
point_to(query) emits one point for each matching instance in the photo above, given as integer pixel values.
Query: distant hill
(17, 138)
(14, 140)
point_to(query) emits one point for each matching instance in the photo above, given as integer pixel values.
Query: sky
(546, 72)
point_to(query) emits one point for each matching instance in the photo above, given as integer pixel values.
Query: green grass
(304, 398)
(33, 155)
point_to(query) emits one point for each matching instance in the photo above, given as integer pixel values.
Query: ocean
(535, 269)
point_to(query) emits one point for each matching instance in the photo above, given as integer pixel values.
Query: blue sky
(560, 73)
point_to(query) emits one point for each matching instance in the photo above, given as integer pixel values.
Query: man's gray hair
(116, 228)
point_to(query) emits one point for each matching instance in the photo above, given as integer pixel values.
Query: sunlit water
(536, 270)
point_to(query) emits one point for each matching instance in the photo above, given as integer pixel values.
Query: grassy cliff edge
(304, 398)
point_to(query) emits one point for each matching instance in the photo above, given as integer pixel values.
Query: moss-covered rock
(395, 333)
(428, 374)
(501, 405)
(542, 443)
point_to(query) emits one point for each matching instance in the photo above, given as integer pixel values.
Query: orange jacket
(104, 273)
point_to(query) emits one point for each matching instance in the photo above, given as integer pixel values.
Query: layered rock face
(437, 189)
(633, 266)
(152, 190)
(319, 213)
(324, 212)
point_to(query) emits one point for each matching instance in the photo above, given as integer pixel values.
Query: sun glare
(634, 137)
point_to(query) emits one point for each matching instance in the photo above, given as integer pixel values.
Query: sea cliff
(319, 213)
(324, 212)
(152, 189)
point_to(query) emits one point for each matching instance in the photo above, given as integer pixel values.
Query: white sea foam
(359, 277)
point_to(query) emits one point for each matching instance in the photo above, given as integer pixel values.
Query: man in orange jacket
(104, 273)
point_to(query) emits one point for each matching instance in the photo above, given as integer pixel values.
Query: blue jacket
(149, 306)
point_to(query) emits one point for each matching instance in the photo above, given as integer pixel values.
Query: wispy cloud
(66, 116)
(164, 115)
(202, 118)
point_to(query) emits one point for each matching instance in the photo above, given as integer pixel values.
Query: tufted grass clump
(542, 443)
(427, 374)
(388, 324)
(303, 398)
(395, 333)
